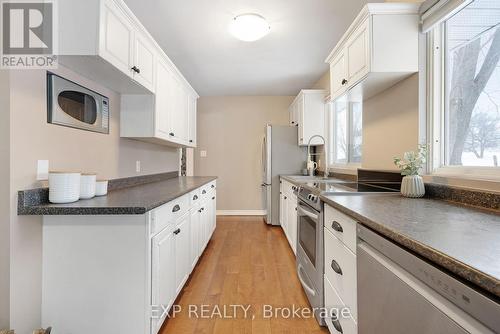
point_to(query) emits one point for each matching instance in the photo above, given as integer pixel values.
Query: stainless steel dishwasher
(399, 292)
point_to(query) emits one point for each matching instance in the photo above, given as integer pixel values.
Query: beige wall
(390, 124)
(231, 129)
(66, 149)
(4, 199)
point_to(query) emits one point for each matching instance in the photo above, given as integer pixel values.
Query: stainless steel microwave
(72, 105)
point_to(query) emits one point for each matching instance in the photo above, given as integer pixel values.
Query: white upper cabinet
(338, 75)
(379, 49)
(143, 68)
(116, 37)
(192, 103)
(168, 117)
(308, 109)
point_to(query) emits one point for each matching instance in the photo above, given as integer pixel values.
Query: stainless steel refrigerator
(281, 155)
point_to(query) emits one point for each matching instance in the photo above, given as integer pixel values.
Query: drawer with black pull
(168, 213)
(340, 269)
(341, 226)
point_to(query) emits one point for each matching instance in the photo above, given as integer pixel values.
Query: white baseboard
(241, 212)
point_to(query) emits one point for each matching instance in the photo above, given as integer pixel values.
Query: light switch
(203, 153)
(42, 170)
(138, 166)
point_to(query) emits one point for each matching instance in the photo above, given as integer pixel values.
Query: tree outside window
(472, 59)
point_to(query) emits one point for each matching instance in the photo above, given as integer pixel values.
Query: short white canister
(87, 186)
(64, 187)
(101, 187)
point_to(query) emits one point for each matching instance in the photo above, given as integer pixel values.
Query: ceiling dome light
(249, 27)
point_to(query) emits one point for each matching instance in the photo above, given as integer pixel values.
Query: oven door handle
(301, 279)
(307, 213)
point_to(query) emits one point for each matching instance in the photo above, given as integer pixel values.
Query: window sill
(477, 181)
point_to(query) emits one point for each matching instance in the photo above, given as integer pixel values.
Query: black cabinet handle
(200, 210)
(213, 197)
(136, 69)
(176, 208)
(293, 122)
(204, 192)
(213, 186)
(286, 197)
(195, 197)
(344, 81)
(297, 124)
(177, 231)
(336, 322)
(171, 134)
(337, 227)
(336, 267)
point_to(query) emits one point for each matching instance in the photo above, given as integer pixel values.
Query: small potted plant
(410, 165)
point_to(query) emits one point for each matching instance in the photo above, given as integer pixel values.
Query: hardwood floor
(246, 263)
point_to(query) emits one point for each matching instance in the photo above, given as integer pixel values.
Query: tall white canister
(64, 187)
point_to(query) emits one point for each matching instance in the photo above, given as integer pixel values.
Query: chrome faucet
(325, 153)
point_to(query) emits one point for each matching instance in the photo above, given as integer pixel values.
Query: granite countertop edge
(62, 210)
(462, 270)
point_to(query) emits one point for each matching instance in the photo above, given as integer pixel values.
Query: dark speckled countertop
(463, 240)
(125, 201)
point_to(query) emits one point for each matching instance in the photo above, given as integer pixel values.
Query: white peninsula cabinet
(307, 113)
(379, 49)
(120, 273)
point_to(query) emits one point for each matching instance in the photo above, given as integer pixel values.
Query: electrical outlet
(138, 166)
(203, 154)
(42, 170)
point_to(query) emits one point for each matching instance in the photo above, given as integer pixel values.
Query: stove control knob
(313, 198)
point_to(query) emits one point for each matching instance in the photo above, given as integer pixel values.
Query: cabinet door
(162, 273)
(192, 120)
(357, 54)
(204, 223)
(213, 214)
(163, 100)
(195, 236)
(284, 223)
(292, 222)
(144, 62)
(180, 112)
(338, 75)
(182, 237)
(116, 37)
(301, 119)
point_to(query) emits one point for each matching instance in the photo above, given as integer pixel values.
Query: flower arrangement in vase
(410, 164)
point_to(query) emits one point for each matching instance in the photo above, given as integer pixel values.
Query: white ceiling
(194, 35)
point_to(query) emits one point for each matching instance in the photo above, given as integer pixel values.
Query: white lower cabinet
(288, 213)
(123, 272)
(182, 237)
(162, 275)
(340, 270)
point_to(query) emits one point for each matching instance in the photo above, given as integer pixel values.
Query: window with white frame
(345, 132)
(464, 58)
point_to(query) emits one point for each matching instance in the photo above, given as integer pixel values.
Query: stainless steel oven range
(310, 248)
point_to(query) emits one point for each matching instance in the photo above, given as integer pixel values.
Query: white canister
(87, 186)
(64, 187)
(101, 187)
